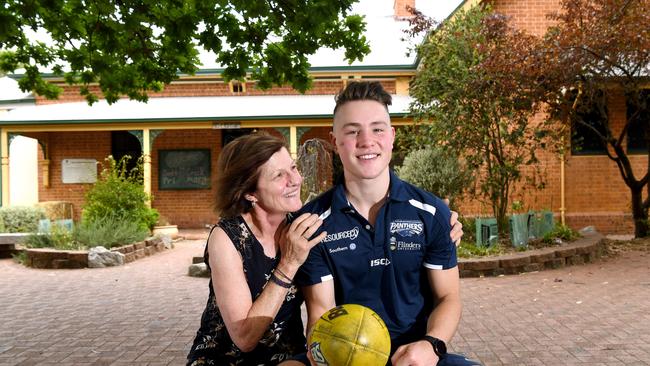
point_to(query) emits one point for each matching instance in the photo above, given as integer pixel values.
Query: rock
(587, 230)
(199, 270)
(167, 240)
(99, 257)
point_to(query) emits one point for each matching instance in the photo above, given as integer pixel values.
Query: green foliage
(131, 48)
(560, 232)
(58, 238)
(436, 171)
(119, 194)
(20, 257)
(20, 219)
(108, 232)
(469, 229)
(469, 249)
(473, 112)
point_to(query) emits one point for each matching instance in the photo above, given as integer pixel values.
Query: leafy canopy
(130, 47)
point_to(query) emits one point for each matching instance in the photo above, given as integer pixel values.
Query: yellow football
(350, 335)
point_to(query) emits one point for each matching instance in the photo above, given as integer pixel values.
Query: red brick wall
(216, 88)
(529, 15)
(69, 145)
(186, 208)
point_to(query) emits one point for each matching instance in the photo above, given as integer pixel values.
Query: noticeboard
(78, 171)
(184, 169)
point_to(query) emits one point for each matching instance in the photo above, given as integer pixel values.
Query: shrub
(119, 194)
(434, 170)
(560, 232)
(469, 229)
(58, 238)
(109, 232)
(21, 219)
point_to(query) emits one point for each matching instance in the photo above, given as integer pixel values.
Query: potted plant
(163, 227)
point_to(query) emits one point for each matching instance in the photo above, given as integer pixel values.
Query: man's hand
(415, 354)
(456, 227)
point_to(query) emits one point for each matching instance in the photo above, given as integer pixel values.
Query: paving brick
(148, 311)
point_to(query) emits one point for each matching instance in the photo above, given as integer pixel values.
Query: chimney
(399, 8)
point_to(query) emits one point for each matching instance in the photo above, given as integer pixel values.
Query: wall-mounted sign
(79, 170)
(184, 169)
(224, 126)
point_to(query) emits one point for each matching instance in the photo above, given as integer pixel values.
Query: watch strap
(439, 346)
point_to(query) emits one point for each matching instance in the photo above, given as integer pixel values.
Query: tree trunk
(639, 213)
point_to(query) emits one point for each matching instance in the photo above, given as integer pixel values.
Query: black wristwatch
(439, 346)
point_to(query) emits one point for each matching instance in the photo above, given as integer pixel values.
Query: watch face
(441, 347)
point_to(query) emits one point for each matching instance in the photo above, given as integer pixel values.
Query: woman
(253, 312)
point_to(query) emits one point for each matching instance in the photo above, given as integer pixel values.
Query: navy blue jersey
(383, 267)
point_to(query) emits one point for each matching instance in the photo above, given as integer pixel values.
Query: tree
(475, 112)
(599, 50)
(130, 47)
(436, 171)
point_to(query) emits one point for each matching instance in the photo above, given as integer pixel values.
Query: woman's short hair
(238, 170)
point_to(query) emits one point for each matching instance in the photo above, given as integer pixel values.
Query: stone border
(47, 258)
(584, 250)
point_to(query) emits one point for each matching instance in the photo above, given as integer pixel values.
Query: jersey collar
(396, 192)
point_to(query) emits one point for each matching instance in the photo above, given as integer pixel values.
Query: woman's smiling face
(278, 188)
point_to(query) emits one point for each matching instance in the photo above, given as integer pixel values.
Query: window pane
(584, 141)
(635, 140)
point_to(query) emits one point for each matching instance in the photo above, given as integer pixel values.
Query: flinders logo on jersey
(350, 234)
(406, 227)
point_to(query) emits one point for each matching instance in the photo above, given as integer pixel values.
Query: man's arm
(442, 323)
(319, 298)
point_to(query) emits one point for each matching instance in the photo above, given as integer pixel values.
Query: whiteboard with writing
(79, 170)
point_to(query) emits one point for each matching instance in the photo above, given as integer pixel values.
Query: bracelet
(279, 282)
(277, 269)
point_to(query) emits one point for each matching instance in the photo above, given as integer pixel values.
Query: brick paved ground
(148, 311)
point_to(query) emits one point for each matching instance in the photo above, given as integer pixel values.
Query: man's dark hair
(363, 90)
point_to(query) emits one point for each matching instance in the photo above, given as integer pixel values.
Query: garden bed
(583, 250)
(60, 259)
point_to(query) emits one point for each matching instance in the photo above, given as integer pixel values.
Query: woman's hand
(296, 241)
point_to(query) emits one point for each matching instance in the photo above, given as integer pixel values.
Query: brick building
(196, 115)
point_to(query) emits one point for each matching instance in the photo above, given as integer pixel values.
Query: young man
(387, 245)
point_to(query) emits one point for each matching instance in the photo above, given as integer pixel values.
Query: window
(237, 87)
(636, 143)
(591, 114)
